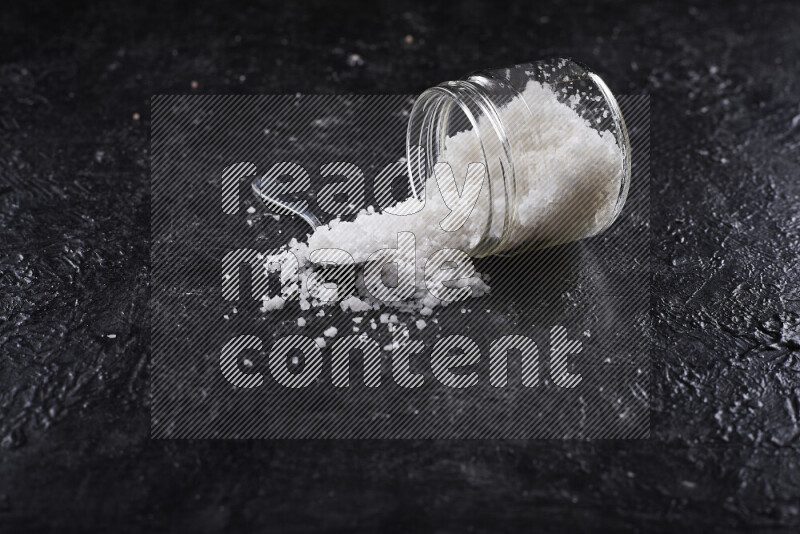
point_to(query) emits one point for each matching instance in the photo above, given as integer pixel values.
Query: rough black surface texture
(74, 422)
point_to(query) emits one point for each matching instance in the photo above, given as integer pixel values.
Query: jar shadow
(549, 285)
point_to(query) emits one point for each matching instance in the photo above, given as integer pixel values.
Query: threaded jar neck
(440, 113)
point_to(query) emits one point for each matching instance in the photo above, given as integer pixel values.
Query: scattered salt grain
(354, 60)
(331, 331)
(271, 304)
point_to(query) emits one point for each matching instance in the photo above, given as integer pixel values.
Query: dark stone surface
(725, 440)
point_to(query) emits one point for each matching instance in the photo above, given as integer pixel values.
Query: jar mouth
(443, 112)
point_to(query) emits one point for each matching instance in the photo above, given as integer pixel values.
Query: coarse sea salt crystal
(355, 304)
(274, 303)
(331, 331)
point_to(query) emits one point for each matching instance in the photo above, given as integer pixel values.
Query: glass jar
(552, 142)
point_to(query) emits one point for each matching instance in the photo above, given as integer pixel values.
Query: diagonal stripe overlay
(559, 349)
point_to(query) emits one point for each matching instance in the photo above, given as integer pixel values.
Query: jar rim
(427, 130)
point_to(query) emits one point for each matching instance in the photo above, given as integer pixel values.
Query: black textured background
(74, 421)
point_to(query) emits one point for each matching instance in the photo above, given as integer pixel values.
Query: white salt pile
(567, 181)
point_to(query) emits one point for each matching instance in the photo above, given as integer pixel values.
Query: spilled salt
(558, 157)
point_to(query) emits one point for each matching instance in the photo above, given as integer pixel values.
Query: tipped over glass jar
(524, 157)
